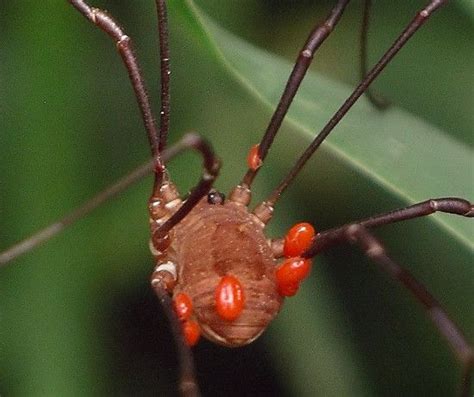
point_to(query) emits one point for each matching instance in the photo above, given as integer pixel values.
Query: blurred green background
(77, 316)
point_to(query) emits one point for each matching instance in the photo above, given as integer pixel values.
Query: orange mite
(253, 159)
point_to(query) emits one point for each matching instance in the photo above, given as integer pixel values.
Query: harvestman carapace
(216, 273)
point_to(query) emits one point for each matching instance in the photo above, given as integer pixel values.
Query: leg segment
(372, 248)
(164, 72)
(124, 45)
(187, 383)
(450, 205)
(35, 240)
(305, 57)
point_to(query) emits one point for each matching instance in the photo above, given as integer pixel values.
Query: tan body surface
(216, 240)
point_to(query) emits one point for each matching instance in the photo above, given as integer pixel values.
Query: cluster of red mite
(229, 295)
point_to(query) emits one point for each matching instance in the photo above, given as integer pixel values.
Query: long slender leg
(305, 57)
(373, 248)
(187, 382)
(164, 72)
(376, 100)
(38, 238)
(450, 205)
(124, 45)
(420, 18)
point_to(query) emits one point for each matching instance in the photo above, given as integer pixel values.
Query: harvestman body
(226, 279)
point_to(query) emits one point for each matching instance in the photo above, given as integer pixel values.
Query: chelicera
(226, 279)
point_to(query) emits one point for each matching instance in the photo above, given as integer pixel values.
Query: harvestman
(230, 295)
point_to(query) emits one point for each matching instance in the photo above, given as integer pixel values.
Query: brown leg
(164, 72)
(373, 248)
(187, 381)
(450, 205)
(35, 240)
(124, 45)
(305, 57)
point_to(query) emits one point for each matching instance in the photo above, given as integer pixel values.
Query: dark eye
(215, 197)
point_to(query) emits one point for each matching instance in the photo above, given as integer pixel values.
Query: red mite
(253, 160)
